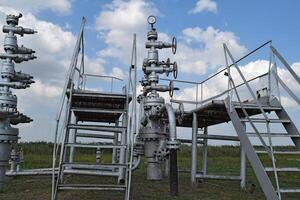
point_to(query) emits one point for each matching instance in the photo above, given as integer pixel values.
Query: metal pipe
(194, 149)
(173, 151)
(172, 121)
(243, 169)
(205, 152)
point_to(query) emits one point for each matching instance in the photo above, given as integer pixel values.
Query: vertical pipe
(243, 168)
(243, 165)
(73, 140)
(194, 149)
(205, 152)
(167, 167)
(269, 75)
(197, 95)
(122, 159)
(114, 151)
(173, 172)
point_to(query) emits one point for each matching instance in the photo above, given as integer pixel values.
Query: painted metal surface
(11, 79)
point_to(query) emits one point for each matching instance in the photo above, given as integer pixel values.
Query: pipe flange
(173, 144)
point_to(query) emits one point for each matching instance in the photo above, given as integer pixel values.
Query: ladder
(240, 112)
(99, 116)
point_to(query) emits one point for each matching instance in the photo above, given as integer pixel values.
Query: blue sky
(201, 27)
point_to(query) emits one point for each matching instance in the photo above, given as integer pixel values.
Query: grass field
(222, 160)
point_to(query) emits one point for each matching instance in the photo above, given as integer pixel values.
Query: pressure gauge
(151, 19)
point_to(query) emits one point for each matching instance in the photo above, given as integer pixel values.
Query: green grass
(222, 160)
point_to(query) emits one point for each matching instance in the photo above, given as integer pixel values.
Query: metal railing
(199, 86)
(111, 78)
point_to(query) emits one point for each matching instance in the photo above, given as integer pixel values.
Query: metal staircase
(97, 116)
(240, 112)
(252, 120)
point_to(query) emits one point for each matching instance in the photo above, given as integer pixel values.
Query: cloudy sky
(200, 27)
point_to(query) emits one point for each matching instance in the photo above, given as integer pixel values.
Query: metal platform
(95, 106)
(214, 112)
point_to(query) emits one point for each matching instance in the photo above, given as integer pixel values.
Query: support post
(205, 152)
(194, 149)
(122, 159)
(114, 151)
(73, 140)
(167, 167)
(243, 164)
(173, 172)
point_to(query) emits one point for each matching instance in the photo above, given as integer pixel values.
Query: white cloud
(201, 49)
(116, 24)
(205, 5)
(60, 6)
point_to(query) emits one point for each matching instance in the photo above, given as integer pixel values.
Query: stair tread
(283, 169)
(253, 134)
(279, 152)
(91, 187)
(94, 165)
(97, 127)
(108, 146)
(97, 110)
(223, 177)
(264, 120)
(255, 107)
(296, 190)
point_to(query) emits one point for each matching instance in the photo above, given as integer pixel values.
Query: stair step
(253, 134)
(289, 190)
(94, 135)
(94, 166)
(91, 172)
(91, 187)
(100, 111)
(279, 152)
(219, 137)
(255, 107)
(284, 169)
(188, 141)
(262, 120)
(97, 128)
(217, 177)
(102, 146)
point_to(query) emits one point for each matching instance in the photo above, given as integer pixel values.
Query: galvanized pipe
(194, 149)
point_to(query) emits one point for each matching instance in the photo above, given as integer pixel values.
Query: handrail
(284, 62)
(132, 125)
(112, 78)
(218, 95)
(222, 70)
(289, 91)
(71, 68)
(103, 76)
(67, 85)
(226, 51)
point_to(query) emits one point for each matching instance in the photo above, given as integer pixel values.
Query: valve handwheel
(175, 70)
(181, 113)
(174, 45)
(171, 91)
